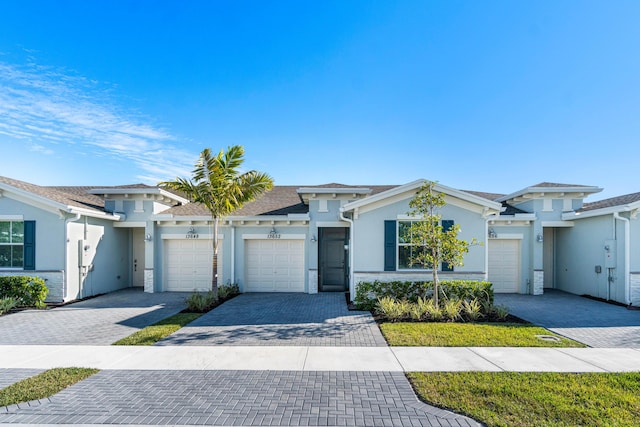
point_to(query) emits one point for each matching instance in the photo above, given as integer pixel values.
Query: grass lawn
(43, 385)
(157, 331)
(506, 399)
(470, 335)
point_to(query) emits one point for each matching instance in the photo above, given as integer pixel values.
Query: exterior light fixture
(492, 233)
(539, 238)
(148, 238)
(313, 239)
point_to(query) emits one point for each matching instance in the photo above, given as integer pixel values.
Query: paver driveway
(595, 323)
(282, 319)
(238, 398)
(96, 321)
(249, 398)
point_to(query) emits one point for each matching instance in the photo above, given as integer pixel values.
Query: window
(11, 244)
(406, 249)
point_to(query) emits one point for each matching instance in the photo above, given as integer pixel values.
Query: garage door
(188, 265)
(274, 266)
(504, 265)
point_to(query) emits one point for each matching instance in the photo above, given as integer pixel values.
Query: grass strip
(43, 385)
(153, 333)
(508, 399)
(470, 335)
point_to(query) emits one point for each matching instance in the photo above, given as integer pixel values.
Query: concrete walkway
(594, 323)
(313, 359)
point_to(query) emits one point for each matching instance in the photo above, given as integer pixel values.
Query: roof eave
(546, 190)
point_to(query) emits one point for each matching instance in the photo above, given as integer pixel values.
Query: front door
(137, 255)
(333, 259)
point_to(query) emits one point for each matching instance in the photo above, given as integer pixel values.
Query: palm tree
(222, 188)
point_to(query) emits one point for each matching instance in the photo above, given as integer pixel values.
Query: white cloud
(42, 106)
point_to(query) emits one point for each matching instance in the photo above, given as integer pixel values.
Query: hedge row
(26, 290)
(368, 293)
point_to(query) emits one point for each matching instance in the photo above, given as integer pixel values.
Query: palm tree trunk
(214, 276)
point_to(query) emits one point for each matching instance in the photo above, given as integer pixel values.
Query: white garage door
(188, 265)
(504, 265)
(274, 266)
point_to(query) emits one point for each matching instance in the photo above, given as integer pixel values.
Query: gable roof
(415, 185)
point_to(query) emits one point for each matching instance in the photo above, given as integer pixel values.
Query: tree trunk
(214, 278)
(434, 269)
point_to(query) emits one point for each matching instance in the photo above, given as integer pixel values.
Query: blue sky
(491, 96)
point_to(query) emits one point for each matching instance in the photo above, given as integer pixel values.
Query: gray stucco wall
(580, 249)
(103, 252)
(50, 246)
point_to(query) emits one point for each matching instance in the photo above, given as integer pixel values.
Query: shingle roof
(68, 196)
(281, 200)
(611, 202)
(557, 185)
(484, 195)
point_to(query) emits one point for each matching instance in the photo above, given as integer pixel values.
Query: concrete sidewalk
(301, 358)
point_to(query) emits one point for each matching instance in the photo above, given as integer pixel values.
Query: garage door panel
(504, 265)
(274, 266)
(188, 265)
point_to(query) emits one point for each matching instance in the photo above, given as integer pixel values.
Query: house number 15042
(192, 236)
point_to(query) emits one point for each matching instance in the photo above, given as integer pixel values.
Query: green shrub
(472, 310)
(500, 312)
(434, 313)
(7, 304)
(452, 309)
(392, 309)
(199, 302)
(228, 291)
(368, 293)
(26, 290)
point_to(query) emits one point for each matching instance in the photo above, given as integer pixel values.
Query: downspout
(351, 232)
(233, 253)
(66, 253)
(486, 249)
(627, 259)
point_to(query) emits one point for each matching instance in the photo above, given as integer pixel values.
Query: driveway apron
(594, 323)
(97, 321)
(282, 319)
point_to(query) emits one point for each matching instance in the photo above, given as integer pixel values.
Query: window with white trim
(11, 244)
(407, 249)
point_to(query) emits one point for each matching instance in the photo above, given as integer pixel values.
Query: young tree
(222, 188)
(435, 244)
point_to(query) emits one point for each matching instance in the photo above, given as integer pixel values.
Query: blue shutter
(390, 245)
(446, 226)
(29, 245)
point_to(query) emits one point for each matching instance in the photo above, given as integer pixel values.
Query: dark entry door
(333, 259)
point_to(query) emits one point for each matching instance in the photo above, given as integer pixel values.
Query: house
(90, 240)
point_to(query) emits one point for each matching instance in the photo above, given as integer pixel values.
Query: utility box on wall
(610, 253)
